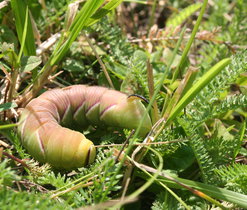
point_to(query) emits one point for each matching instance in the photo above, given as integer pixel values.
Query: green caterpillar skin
(46, 121)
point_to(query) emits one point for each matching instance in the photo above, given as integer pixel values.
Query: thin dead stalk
(16, 159)
(140, 144)
(100, 62)
(124, 145)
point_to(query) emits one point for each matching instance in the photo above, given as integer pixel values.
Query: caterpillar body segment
(49, 124)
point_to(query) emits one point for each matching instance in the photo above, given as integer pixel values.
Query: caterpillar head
(128, 113)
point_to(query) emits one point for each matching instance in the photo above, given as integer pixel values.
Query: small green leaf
(167, 55)
(73, 65)
(8, 36)
(29, 63)
(7, 106)
(8, 53)
(221, 132)
(181, 159)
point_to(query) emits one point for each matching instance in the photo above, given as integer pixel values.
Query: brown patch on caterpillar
(35, 119)
(67, 88)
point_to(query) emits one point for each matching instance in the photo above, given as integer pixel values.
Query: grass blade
(7, 106)
(201, 83)
(80, 21)
(103, 11)
(23, 36)
(192, 37)
(218, 193)
(19, 10)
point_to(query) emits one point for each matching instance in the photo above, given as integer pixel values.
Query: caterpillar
(49, 125)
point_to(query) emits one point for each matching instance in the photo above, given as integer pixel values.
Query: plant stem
(100, 62)
(192, 37)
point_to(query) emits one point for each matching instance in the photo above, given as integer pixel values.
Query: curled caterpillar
(49, 124)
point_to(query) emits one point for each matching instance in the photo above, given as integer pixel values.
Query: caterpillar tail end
(91, 155)
(86, 153)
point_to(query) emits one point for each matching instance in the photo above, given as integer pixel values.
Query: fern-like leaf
(203, 158)
(203, 107)
(7, 176)
(23, 200)
(183, 15)
(222, 146)
(230, 103)
(235, 177)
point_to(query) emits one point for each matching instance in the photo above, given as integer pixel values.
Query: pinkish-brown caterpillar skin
(45, 122)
